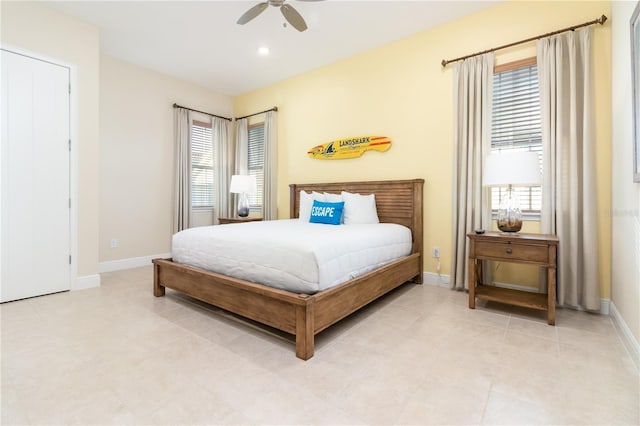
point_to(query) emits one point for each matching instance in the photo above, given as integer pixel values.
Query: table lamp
(243, 185)
(511, 168)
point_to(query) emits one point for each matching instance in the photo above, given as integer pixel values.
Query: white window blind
(256, 164)
(517, 126)
(201, 165)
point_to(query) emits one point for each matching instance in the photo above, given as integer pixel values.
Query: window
(517, 123)
(256, 164)
(201, 165)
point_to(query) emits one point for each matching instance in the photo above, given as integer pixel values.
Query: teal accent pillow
(328, 213)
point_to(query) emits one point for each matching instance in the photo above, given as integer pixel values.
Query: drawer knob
(509, 251)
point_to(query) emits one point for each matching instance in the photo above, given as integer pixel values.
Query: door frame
(73, 154)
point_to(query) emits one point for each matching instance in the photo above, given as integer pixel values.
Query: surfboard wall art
(349, 148)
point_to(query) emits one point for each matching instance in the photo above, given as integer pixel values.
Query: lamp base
(513, 226)
(243, 205)
(509, 213)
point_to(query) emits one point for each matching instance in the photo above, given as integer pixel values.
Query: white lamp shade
(519, 168)
(243, 184)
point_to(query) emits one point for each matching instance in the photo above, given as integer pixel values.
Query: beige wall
(136, 155)
(41, 31)
(625, 206)
(401, 91)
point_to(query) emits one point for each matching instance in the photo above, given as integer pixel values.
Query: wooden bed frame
(397, 201)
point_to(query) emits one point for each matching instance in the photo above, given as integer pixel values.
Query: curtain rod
(601, 20)
(201, 112)
(275, 108)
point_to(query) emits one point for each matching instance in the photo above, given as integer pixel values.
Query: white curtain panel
(182, 168)
(242, 154)
(569, 207)
(242, 146)
(224, 158)
(472, 91)
(270, 201)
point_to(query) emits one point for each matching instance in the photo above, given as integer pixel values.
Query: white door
(34, 178)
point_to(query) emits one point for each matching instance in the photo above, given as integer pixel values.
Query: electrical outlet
(436, 252)
(114, 243)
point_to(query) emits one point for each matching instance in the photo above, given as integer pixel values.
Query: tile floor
(118, 355)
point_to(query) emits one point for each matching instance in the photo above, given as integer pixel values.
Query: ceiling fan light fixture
(290, 14)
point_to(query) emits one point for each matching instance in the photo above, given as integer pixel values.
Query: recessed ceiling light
(264, 51)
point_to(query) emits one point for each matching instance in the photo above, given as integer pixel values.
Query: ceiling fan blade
(293, 17)
(253, 12)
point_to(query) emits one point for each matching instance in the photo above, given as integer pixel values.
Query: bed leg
(304, 330)
(158, 290)
(418, 279)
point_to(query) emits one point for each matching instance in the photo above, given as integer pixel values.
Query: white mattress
(292, 255)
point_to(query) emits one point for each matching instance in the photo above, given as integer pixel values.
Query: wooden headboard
(397, 201)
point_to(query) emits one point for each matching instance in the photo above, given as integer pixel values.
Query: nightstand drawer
(506, 251)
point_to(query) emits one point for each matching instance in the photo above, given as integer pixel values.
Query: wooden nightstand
(225, 220)
(532, 249)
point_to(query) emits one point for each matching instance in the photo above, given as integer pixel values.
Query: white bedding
(292, 255)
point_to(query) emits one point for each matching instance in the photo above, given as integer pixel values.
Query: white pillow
(306, 202)
(359, 209)
(332, 198)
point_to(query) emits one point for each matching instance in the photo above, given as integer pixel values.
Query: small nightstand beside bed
(306, 300)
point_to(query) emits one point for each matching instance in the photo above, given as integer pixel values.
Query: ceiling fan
(290, 14)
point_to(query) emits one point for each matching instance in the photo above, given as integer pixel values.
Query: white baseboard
(626, 335)
(431, 278)
(519, 287)
(88, 281)
(133, 262)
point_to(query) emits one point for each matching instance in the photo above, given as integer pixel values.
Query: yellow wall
(401, 91)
